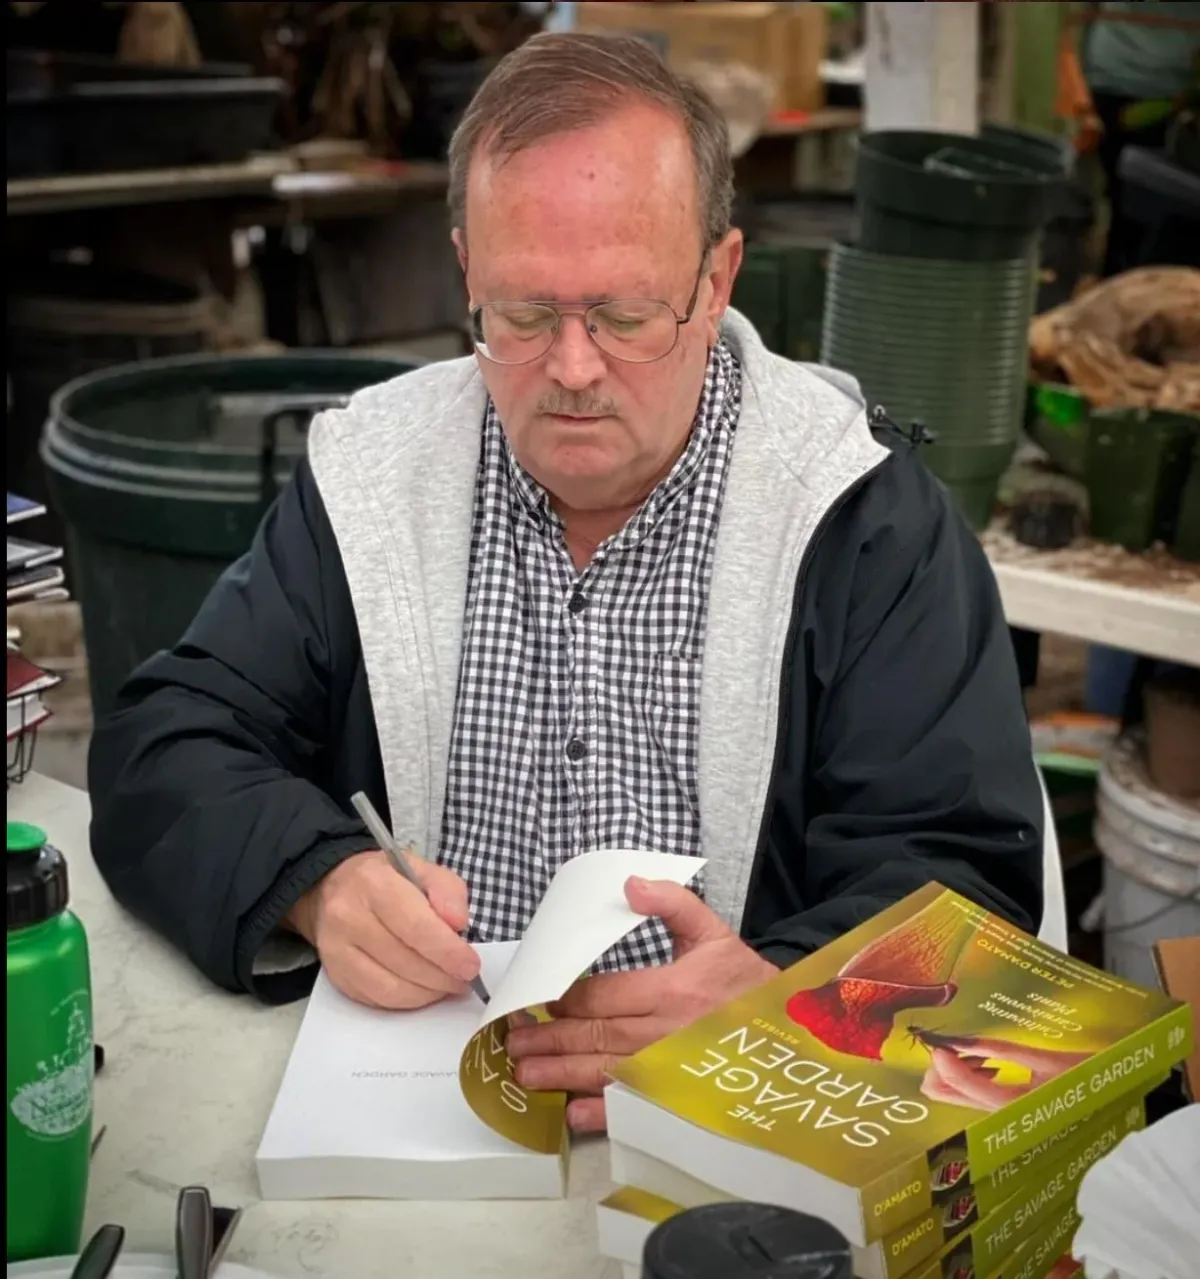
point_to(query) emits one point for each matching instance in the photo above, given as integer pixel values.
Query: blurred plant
(356, 69)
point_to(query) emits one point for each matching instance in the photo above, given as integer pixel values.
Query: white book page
(583, 913)
(364, 1083)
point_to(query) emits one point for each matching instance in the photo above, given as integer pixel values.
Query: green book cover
(934, 1034)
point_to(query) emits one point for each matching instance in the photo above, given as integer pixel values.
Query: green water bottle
(50, 1054)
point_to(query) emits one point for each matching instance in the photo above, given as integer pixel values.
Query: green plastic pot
(805, 273)
(953, 196)
(971, 473)
(1186, 543)
(977, 409)
(1058, 419)
(1135, 471)
(1055, 149)
(936, 341)
(781, 290)
(758, 294)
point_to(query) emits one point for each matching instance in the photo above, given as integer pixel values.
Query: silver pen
(374, 823)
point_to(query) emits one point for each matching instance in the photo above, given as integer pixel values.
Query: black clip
(919, 433)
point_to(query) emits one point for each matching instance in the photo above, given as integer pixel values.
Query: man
(625, 579)
(1140, 62)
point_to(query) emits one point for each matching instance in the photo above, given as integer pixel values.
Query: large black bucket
(162, 472)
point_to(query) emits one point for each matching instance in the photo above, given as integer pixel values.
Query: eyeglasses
(636, 330)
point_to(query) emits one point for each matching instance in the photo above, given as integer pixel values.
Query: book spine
(1001, 1233)
(994, 1191)
(913, 1244)
(1036, 1258)
(890, 1202)
(1079, 1092)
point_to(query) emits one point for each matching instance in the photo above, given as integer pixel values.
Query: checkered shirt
(577, 717)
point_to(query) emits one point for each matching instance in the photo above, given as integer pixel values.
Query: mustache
(576, 404)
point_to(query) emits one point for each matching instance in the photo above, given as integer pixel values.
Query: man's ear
(726, 260)
(459, 239)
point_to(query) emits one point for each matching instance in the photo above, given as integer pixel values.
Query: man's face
(605, 213)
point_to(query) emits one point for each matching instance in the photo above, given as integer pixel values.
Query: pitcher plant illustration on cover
(912, 966)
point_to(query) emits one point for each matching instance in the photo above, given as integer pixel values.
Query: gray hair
(558, 82)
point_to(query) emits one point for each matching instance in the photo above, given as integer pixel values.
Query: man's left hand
(602, 1019)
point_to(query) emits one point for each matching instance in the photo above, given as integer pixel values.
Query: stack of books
(35, 576)
(935, 1084)
(34, 568)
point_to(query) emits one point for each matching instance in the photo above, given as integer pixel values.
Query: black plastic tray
(120, 126)
(48, 70)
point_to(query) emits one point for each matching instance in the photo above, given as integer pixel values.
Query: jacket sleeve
(914, 760)
(208, 817)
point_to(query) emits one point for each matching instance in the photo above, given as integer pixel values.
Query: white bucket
(1151, 847)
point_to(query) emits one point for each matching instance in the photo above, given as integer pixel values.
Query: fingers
(366, 981)
(971, 1084)
(581, 1036)
(409, 917)
(689, 920)
(586, 1114)
(364, 910)
(1045, 1063)
(447, 892)
(587, 1073)
(625, 994)
(383, 946)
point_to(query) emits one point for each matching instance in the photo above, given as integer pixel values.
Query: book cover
(23, 554)
(23, 508)
(23, 715)
(25, 679)
(31, 583)
(935, 1036)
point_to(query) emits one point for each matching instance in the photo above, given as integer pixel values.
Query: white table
(189, 1077)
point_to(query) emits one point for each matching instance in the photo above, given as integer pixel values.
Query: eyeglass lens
(637, 331)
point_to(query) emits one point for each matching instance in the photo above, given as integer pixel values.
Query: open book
(423, 1105)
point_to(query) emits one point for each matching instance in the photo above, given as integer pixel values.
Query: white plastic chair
(1054, 893)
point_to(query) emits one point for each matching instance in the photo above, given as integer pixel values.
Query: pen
(374, 823)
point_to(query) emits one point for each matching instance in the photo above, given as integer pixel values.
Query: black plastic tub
(119, 126)
(51, 71)
(163, 469)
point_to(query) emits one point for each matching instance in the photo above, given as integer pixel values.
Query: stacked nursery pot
(930, 308)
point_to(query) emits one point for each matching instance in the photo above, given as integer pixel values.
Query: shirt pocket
(674, 716)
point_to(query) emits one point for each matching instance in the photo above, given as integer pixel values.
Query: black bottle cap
(37, 877)
(745, 1241)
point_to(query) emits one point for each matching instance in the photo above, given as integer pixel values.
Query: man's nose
(575, 361)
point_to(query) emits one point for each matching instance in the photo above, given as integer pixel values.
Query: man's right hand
(380, 941)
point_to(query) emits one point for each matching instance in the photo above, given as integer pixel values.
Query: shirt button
(576, 749)
(577, 603)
